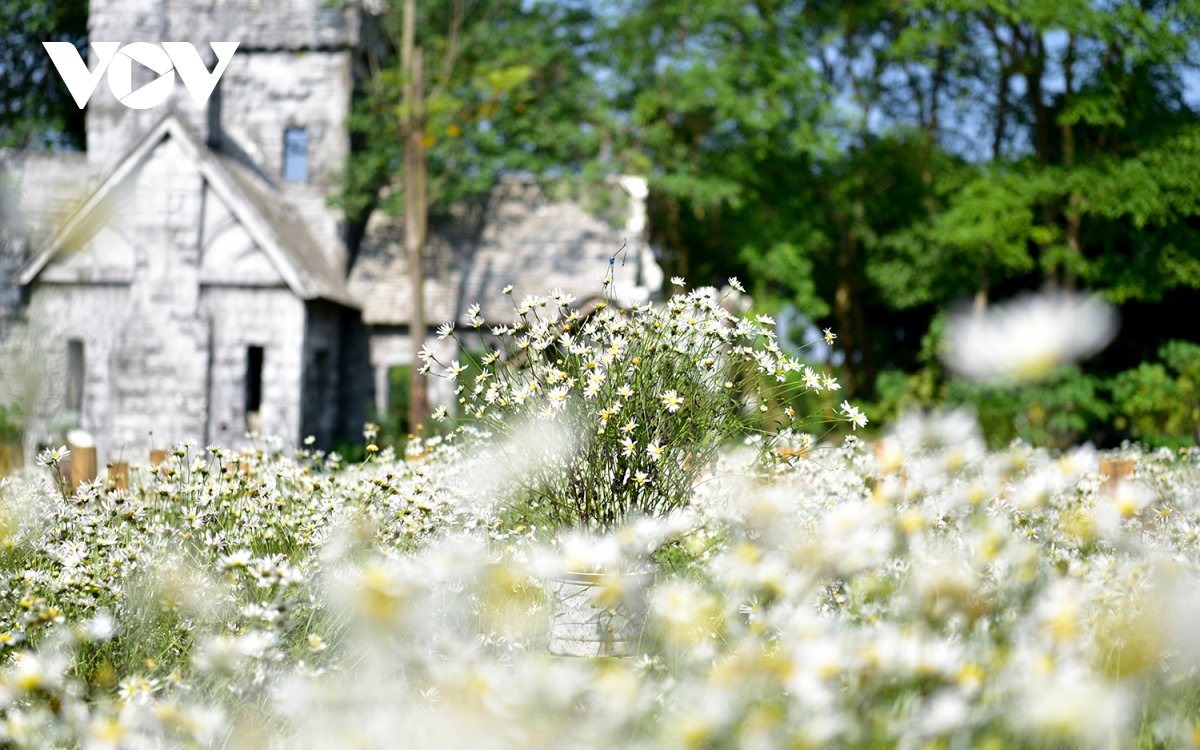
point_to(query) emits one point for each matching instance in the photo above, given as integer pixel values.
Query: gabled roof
(282, 236)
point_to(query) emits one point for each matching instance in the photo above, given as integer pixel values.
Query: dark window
(254, 371)
(295, 155)
(320, 397)
(321, 367)
(74, 375)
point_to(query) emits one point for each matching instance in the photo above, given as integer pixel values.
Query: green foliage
(982, 238)
(12, 425)
(897, 391)
(1159, 402)
(710, 94)
(787, 265)
(1156, 402)
(393, 423)
(36, 110)
(865, 159)
(1066, 408)
(505, 91)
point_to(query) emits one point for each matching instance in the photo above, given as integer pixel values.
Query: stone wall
(302, 26)
(256, 24)
(275, 320)
(520, 236)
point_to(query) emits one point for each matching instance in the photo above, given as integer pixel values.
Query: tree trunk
(1029, 60)
(1034, 74)
(848, 305)
(1074, 204)
(1074, 200)
(1001, 113)
(981, 290)
(843, 310)
(683, 266)
(416, 210)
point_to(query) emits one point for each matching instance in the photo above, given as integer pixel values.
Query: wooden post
(1116, 469)
(12, 459)
(83, 465)
(890, 463)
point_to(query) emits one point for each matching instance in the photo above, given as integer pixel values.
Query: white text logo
(118, 61)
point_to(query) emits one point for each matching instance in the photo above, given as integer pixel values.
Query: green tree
(1159, 402)
(708, 92)
(36, 110)
(919, 153)
(457, 94)
(506, 91)
(1091, 144)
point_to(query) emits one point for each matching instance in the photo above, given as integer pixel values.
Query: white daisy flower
(1025, 339)
(672, 401)
(655, 451)
(628, 447)
(857, 418)
(558, 397)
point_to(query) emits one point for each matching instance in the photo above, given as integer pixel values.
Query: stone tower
(287, 90)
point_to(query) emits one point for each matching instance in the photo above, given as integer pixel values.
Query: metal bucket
(597, 614)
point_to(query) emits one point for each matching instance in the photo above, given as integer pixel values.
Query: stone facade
(208, 293)
(167, 277)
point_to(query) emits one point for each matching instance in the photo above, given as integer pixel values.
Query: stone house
(185, 276)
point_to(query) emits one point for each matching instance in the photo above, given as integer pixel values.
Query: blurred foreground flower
(1025, 339)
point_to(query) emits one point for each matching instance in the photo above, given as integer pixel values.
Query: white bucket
(585, 624)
